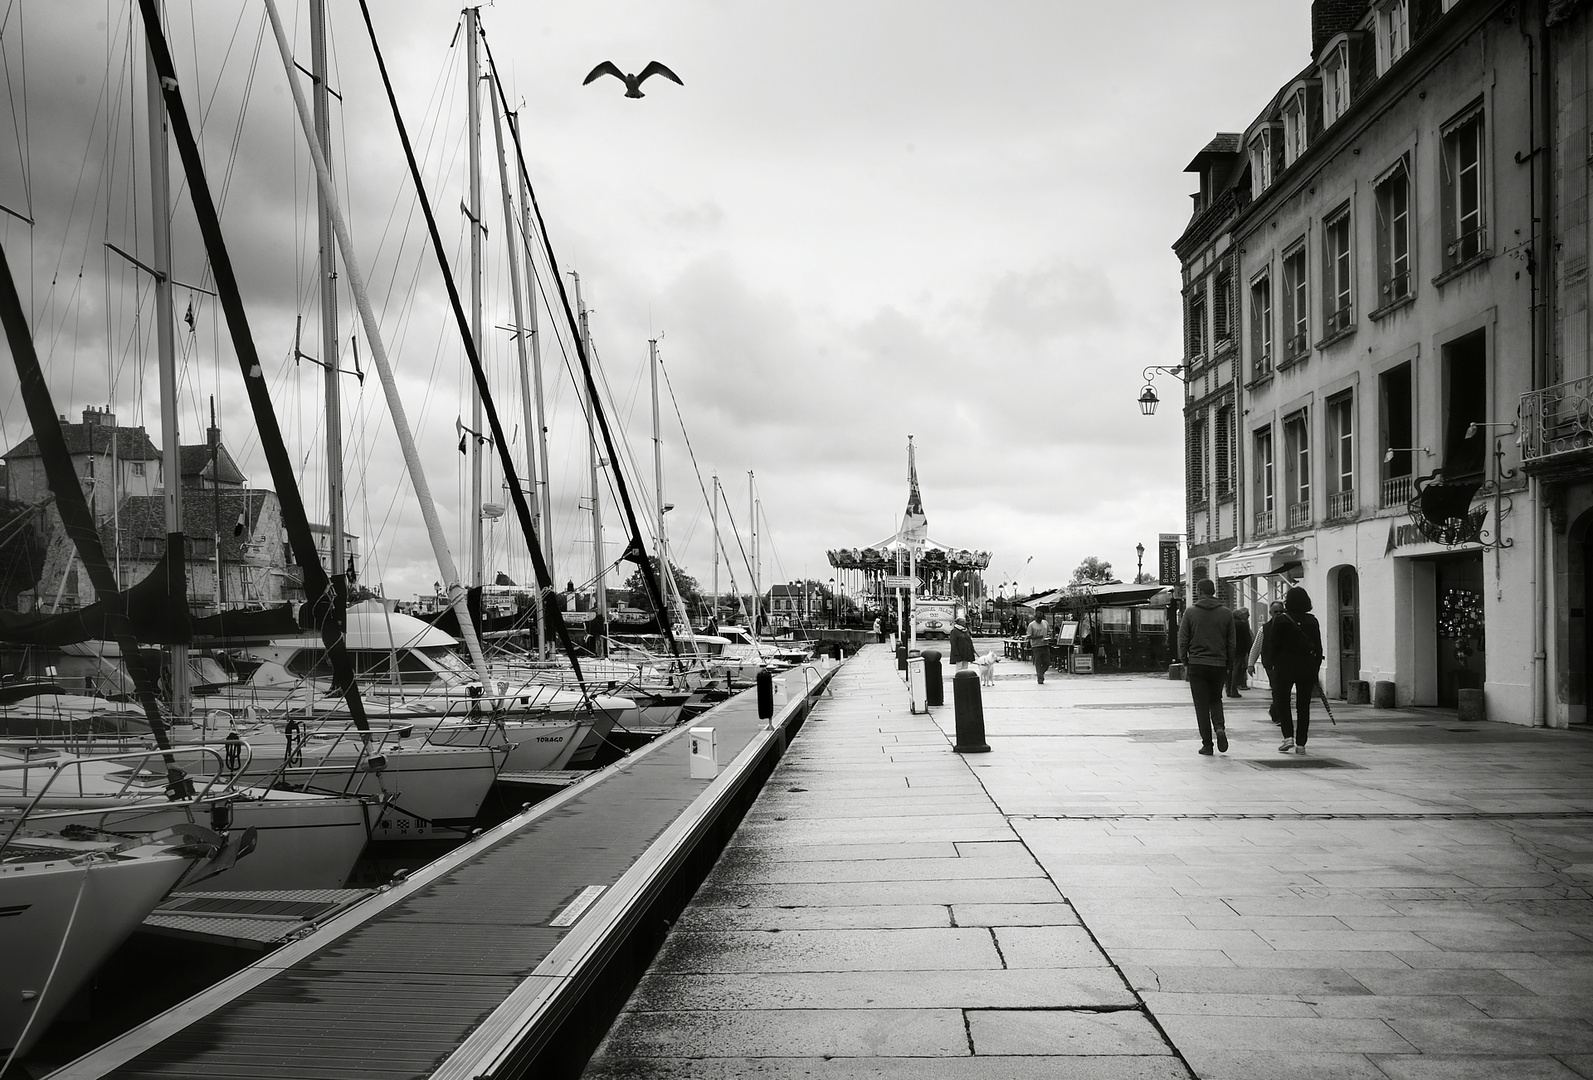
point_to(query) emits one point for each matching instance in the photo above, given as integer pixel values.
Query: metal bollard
(765, 695)
(934, 689)
(970, 709)
(901, 658)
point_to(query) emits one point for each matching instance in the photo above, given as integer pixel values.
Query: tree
(1092, 571)
(1145, 577)
(685, 584)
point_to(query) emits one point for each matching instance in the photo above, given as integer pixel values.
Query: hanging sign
(902, 581)
(1167, 564)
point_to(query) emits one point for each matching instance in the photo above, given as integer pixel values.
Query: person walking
(962, 649)
(1040, 645)
(1293, 655)
(1206, 649)
(1242, 640)
(1273, 611)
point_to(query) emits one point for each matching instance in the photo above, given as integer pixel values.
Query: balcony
(1263, 522)
(1396, 491)
(1341, 504)
(1557, 430)
(1299, 515)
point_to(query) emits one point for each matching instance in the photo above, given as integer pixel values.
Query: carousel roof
(913, 535)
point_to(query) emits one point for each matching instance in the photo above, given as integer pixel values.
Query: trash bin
(934, 689)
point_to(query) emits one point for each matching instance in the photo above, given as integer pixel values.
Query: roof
(1224, 142)
(132, 443)
(205, 513)
(196, 465)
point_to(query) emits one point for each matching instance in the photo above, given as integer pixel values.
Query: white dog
(987, 668)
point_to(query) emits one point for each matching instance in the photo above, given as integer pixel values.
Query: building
(1388, 265)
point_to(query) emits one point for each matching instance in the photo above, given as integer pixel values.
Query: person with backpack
(1292, 653)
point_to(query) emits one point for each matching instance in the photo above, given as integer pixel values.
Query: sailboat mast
(477, 460)
(599, 587)
(520, 347)
(546, 492)
(713, 513)
(166, 344)
(664, 576)
(752, 513)
(328, 270)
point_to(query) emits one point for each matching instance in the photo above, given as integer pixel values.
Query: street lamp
(1140, 550)
(835, 604)
(1147, 397)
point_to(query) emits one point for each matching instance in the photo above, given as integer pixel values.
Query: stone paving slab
(1093, 899)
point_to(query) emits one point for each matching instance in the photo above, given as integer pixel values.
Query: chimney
(98, 417)
(1329, 18)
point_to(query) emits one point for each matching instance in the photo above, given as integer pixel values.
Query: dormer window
(1335, 67)
(1263, 152)
(1393, 32)
(1295, 127)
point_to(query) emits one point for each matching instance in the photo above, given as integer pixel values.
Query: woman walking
(1292, 653)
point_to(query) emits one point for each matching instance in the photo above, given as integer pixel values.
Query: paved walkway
(1411, 899)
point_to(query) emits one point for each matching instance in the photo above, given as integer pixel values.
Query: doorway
(1462, 643)
(1349, 603)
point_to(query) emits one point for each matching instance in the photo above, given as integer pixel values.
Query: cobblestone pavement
(1409, 899)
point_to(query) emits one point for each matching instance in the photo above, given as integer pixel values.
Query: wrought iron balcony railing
(1557, 420)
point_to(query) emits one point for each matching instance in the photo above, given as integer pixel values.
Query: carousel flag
(915, 526)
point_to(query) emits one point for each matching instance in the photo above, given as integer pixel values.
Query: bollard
(1358, 692)
(1383, 694)
(934, 689)
(970, 709)
(901, 658)
(765, 695)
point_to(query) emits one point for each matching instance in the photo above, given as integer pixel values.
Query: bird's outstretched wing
(606, 68)
(655, 68)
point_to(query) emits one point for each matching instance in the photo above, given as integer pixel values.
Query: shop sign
(1167, 563)
(1403, 535)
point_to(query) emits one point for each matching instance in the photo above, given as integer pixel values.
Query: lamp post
(835, 604)
(1139, 549)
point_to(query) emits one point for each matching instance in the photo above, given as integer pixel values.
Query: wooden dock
(510, 953)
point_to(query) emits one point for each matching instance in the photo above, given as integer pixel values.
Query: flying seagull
(633, 83)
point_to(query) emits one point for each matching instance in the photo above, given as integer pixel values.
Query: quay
(1412, 899)
(507, 955)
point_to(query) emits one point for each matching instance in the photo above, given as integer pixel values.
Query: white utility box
(916, 684)
(704, 753)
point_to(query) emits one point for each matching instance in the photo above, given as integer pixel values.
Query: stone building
(1389, 275)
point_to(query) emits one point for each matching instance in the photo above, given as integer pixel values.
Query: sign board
(1083, 664)
(578, 616)
(899, 581)
(1067, 632)
(1167, 566)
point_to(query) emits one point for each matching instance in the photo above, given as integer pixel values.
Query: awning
(1249, 562)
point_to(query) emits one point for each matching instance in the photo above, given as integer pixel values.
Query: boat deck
(470, 966)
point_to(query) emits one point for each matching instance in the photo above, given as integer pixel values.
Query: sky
(855, 221)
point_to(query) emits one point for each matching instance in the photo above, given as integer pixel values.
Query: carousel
(941, 572)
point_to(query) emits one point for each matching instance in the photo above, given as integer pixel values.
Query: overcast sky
(856, 220)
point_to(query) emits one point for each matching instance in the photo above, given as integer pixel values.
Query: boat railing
(59, 764)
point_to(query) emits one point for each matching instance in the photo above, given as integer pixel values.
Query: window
(138, 468)
(1393, 237)
(1335, 83)
(1221, 317)
(1341, 455)
(1297, 468)
(1397, 434)
(1261, 327)
(151, 547)
(1393, 32)
(202, 546)
(1296, 313)
(1464, 187)
(1465, 403)
(1196, 345)
(1264, 146)
(1295, 127)
(1223, 463)
(1337, 313)
(1197, 462)
(1266, 484)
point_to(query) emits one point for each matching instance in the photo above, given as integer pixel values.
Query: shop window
(1265, 482)
(1296, 306)
(1297, 468)
(1261, 327)
(1464, 189)
(1341, 455)
(1397, 433)
(1465, 403)
(1337, 310)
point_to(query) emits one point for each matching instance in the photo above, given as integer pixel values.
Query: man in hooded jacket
(1206, 649)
